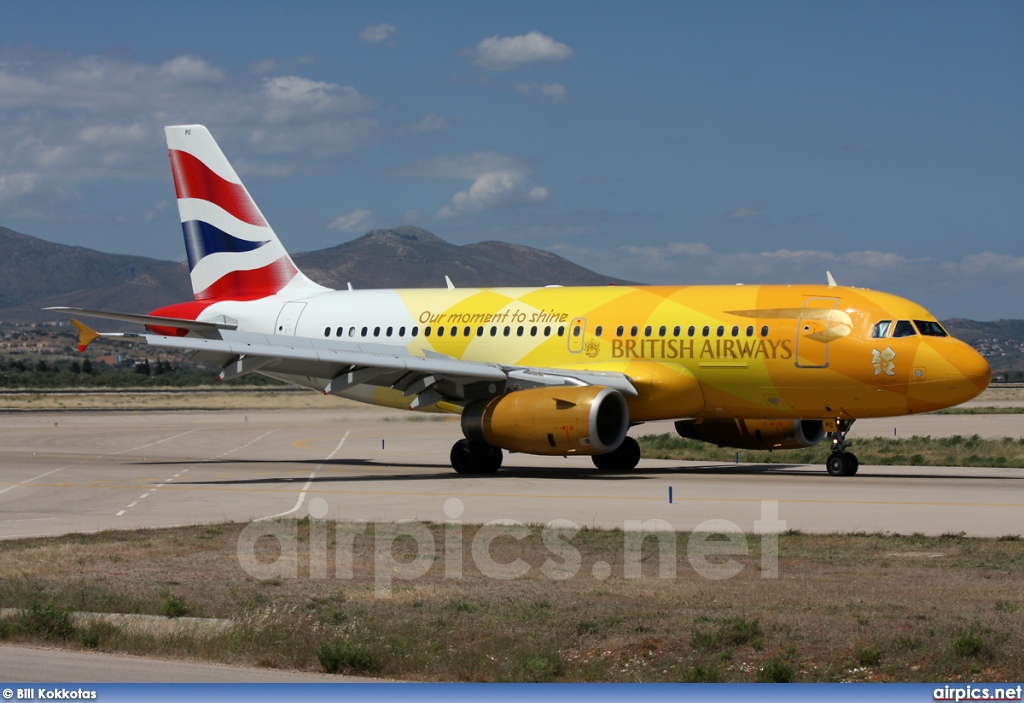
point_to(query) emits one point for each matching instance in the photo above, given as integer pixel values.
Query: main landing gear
(475, 458)
(840, 462)
(625, 458)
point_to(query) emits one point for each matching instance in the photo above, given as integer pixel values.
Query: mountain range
(35, 273)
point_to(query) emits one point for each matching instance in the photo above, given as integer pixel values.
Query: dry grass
(847, 607)
(188, 399)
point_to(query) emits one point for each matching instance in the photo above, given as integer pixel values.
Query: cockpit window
(881, 329)
(930, 328)
(904, 329)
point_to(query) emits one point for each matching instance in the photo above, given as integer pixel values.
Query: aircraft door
(288, 318)
(576, 332)
(813, 331)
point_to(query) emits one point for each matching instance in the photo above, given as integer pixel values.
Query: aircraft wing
(335, 366)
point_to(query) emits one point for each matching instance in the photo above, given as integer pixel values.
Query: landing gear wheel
(625, 458)
(842, 464)
(477, 459)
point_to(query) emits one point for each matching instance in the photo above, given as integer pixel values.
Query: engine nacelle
(553, 421)
(754, 434)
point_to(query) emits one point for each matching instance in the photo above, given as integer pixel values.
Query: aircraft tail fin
(233, 253)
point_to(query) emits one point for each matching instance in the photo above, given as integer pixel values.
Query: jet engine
(754, 434)
(552, 421)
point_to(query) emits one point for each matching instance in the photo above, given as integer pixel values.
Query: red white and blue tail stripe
(233, 253)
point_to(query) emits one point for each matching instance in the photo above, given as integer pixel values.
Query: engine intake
(550, 421)
(754, 434)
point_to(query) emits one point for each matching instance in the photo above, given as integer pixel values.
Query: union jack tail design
(233, 254)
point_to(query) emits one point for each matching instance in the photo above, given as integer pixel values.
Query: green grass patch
(957, 450)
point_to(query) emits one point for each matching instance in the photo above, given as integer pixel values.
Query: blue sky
(664, 142)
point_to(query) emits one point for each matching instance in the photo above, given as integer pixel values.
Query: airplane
(557, 371)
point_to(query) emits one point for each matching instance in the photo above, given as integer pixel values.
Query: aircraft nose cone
(972, 366)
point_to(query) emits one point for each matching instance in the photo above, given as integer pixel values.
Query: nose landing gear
(840, 462)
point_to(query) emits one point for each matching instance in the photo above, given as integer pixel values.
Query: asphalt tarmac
(90, 471)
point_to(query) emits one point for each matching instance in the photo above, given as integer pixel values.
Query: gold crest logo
(882, 361)
(592, 348)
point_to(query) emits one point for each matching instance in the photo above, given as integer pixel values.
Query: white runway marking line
(84, 461)
(185, 471)
(309, 482)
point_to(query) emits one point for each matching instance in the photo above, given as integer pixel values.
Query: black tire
(462, 457)
(475, 459)
(841, 464)
(624, 458)
(487, 458)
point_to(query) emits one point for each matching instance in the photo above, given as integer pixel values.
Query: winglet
(86, 335)
(831, 281)
(451, 286)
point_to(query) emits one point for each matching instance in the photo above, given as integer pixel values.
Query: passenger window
(750, 331)
(619, 330)
(533, 331)
(376, 331)
(647, 331)
(519, 331)
(426, 331)
(479, 331)
(467, 331)
(547, 331)
(633, 330)
(721, 330)
(363, 332)
(904, 329)
(676, 330)
(390, 330)
(401, 331)
(561, 330)
(455, 331)
(440, 331)
(327, 332)
(598, 330)
(415, 331)
(690, 331)
(881, 330)
(764, 331)
(576, 331)
(706, 331)
(930, 328)
(351, 331)
(662, 330)
(494, 331)
(735, 331)
(508, 330)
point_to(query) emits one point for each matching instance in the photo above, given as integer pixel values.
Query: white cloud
(504, 53)
(975, 285)
(377, 33)
(192, 68)
(352, 222)
(498, 181)
(71, 119)
(745, 211)
(430, 123)
(552, 91)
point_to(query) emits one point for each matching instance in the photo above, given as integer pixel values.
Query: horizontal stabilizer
(194, 325)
